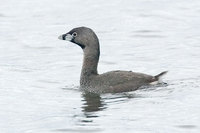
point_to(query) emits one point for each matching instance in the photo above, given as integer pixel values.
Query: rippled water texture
(39, 74)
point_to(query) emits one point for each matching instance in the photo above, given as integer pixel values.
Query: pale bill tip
(60, 37)
(66, 37)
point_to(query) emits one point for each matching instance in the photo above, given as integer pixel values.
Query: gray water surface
(39, 74)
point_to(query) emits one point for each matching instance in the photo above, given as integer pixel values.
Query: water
(39, 75)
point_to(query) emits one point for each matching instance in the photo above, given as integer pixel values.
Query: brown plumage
(110, 82)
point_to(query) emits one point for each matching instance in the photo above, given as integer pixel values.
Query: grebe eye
(74, 34)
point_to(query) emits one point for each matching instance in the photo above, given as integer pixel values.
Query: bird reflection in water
(92, 104)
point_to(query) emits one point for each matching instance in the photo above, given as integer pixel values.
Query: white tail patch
(158, 78)
(154, 83)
